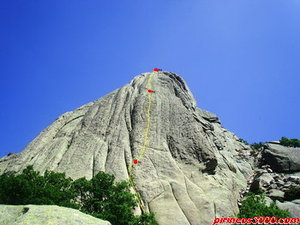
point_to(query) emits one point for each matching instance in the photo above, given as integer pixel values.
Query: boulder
(296, 201)
(261, 181)
(276, 194)
(282, 158)
(45, 214)
(295, 179)
(269, 201)
(292, 207)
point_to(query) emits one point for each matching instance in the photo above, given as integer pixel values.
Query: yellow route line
(145, 144)
(146, 135)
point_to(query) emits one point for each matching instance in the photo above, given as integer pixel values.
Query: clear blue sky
(241, 59)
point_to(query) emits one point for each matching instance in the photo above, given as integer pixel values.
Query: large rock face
(45, 214)
(192, 170)
(282, 158)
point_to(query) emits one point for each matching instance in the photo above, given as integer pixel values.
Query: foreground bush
(100, 197)
(31, 188)
(255, 205)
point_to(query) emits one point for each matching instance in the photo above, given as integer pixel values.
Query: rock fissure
(69, 121)
(187, 191)
(177, 201)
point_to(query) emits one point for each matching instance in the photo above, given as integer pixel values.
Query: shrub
(14, 190)
(145, 219)
(255, 205)
(100, 197)
(290, 142)
(257, 146)
(32, 188)
(109, 201)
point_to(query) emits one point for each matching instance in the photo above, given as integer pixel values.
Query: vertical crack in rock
(215, 210)
(183, 211)
(187, 191)
(93, 166)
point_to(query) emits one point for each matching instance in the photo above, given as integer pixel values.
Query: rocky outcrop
(282, 158)
(42, 214)
(293, 207)
(277, 176)
(192, 170)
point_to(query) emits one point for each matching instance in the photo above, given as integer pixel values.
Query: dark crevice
(25, 210)
(130, 133)
(215, 210)
(178, 80)
(155, 197)
(70, 142)
(127, 163)
(230, 166)
(93, 169)
(107, 155)
(175, 152)
(68, 146)
(67, 124)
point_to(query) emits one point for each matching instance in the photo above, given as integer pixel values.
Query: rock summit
(192, 170)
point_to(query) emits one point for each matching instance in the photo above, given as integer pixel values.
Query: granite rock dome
(192, 170)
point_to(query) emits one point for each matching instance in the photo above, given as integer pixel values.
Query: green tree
(58, 189)
(290, 142)
(107, 200)
(145, 219)
(14, 190)
(30, 187)
(82, 189)
(100, 197)
(103, 198)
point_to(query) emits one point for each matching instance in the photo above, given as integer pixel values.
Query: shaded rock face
(42, 214)
(282, 158)
(192, 170)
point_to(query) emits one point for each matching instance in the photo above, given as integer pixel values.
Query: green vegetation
(290, 142)
(255, 205)
(31, 188)
(100, 197)
(243, 141)
(283, 141)
(257, 146)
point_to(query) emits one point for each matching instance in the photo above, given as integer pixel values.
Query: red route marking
(150, 91)
(135, 161)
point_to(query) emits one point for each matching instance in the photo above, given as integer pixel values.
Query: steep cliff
(190, 169)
